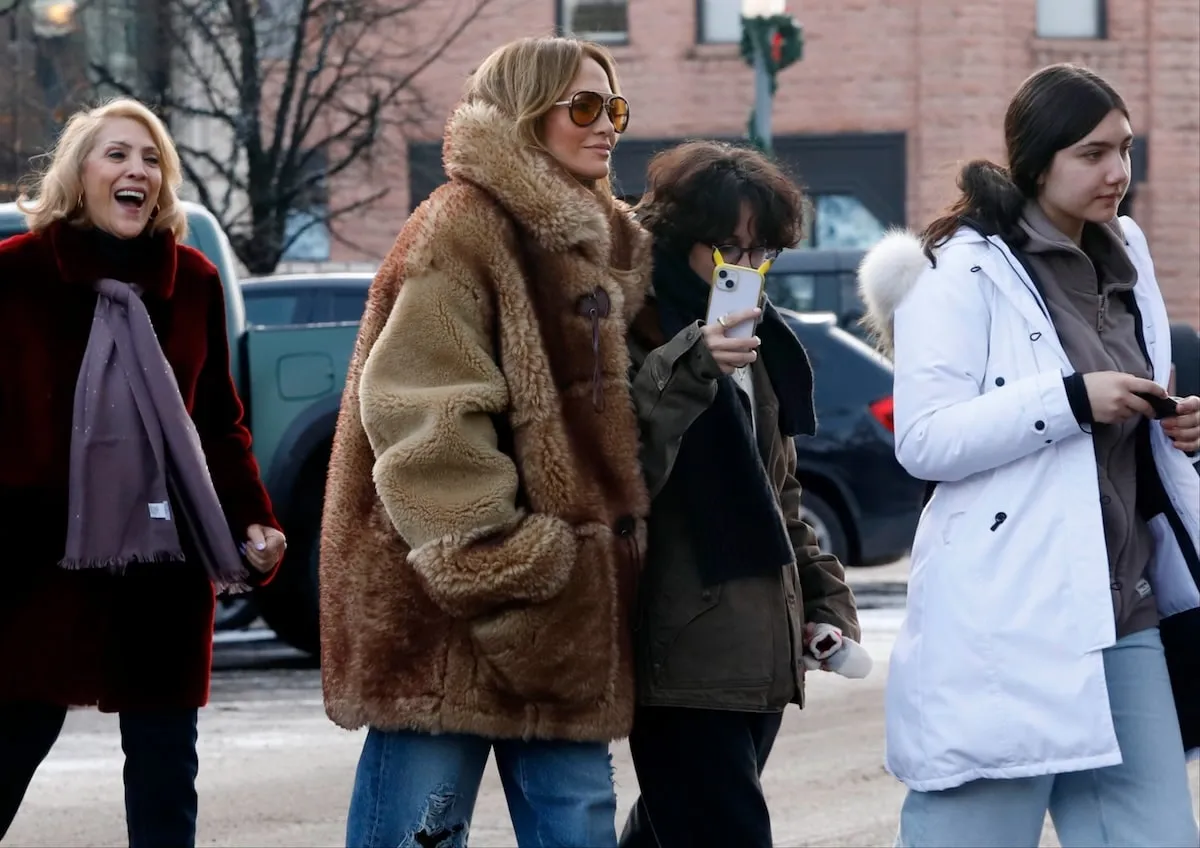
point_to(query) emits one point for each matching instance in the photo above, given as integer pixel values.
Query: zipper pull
(1000, 519)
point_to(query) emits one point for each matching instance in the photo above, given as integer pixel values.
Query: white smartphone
(734, 288)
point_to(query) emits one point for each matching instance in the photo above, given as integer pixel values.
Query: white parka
(997, 671)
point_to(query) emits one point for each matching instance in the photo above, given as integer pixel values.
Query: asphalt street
(276, 772)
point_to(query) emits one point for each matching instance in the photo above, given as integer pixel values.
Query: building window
(111, 28)
(719, 21)
(605, 21)
(306, 236)
(1071, 19)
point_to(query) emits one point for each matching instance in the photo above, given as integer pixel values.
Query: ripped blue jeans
(418, 790)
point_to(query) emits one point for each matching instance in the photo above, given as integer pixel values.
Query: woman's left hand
(264, 547)
(1184, 428)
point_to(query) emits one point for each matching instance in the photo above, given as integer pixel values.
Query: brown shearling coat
(484, 520)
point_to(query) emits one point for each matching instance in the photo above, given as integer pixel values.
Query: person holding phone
(734, 584)
(1050, 655)
(485, 510)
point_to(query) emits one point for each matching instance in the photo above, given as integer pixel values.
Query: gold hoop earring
(79, 203)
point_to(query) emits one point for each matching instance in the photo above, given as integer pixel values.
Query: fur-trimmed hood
(886, 275)
(893, 266)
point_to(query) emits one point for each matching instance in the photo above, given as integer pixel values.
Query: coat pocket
(720, 637)
(563, 650)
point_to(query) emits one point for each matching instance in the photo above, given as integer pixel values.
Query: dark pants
(160, 768)
(699, 774)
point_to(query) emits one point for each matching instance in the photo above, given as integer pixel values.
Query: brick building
(891, 96)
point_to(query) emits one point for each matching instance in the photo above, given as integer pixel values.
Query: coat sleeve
(828, 599)
(219, 417)
(429, 389)
(672, 386)
(947, 427)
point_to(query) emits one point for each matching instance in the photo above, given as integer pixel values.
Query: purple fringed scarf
(136, 457)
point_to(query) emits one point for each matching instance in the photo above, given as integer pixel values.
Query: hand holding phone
(1164, 407)
(732, 353)
(735, 288)
(1115, 396)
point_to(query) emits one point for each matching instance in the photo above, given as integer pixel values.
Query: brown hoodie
(1083, 287)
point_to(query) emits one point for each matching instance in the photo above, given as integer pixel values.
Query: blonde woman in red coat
(127, 484)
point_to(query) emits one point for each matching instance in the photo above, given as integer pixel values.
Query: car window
(817, 291)
(797, 292)
(349, 305)
(273, 308)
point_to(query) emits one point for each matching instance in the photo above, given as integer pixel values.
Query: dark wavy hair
(1053, 109)
(694, 193)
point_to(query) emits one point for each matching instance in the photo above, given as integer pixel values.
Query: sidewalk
(880, 586)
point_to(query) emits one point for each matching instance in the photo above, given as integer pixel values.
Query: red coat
(143, 638)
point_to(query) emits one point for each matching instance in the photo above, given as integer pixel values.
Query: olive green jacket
(735, 645)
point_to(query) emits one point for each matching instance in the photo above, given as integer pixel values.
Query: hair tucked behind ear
(989, 198)
(1053, 109)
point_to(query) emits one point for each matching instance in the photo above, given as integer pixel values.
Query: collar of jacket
(482, 147)
(82, 260)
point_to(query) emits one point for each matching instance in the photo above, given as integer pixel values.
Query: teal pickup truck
(290, 380)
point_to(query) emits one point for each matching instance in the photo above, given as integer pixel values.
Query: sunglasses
(733, 253)
(585, 108)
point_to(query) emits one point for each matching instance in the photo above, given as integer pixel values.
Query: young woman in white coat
(1058, 552)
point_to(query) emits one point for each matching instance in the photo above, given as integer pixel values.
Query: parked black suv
(818, 281)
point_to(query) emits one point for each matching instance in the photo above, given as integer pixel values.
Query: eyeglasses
(587, 106)
(734, 253)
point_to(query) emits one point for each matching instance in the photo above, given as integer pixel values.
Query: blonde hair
(58, 192)
(525, 78)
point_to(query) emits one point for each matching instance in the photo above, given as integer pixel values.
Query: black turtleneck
(118, 256)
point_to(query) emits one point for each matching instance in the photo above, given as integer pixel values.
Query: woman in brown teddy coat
(485, 513)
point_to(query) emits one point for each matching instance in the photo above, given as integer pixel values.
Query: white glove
(837, 653)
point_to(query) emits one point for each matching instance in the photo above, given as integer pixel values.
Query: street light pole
(763, 105)
(771, 40)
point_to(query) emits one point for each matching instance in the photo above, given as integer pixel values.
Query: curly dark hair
(694, 194)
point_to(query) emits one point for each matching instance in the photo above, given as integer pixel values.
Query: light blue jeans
(1145, 801)
(418, 789)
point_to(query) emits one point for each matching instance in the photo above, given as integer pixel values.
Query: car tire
(816, 512)
(290, 602)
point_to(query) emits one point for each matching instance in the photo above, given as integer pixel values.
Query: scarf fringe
(237, 585)
(118, 564)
